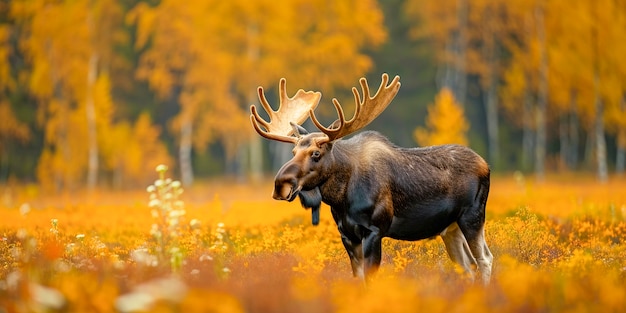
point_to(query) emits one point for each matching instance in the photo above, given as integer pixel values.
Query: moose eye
(315, 155)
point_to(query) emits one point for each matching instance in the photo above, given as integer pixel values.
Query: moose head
(311, 160)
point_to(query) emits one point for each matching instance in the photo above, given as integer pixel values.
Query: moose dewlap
(374, 188)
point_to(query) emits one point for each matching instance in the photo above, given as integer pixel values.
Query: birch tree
(69, 44)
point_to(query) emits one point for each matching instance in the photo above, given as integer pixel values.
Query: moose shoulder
(376, 189)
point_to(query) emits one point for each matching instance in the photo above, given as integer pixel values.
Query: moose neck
(338, 173)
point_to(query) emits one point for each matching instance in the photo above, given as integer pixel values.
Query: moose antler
(366, 110)
(290, 110)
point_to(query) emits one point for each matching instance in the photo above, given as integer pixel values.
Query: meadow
(221, 246)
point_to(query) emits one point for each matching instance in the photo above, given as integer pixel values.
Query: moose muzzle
(286, 185)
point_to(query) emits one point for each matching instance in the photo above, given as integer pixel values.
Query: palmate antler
(298, 108)
(290, 110)
(366, 110)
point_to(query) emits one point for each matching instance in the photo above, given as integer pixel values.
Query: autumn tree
(468, 36)
(11, 128)
(132, 163)
(197, 60)
(445, 123)
(69, 45)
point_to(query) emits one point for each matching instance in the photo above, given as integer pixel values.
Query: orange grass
(558, 246)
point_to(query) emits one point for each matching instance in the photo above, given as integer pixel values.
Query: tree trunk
(564, 142)
(453, 74)
(490, 56)
(92, 134)
(281, 153)
(255, 147)
(461, 51)
(574, 137)
(542, 98)
(528, 135)
(603, 174)
(184, 151)
(620, 156)
(491, 104)
(602, 170)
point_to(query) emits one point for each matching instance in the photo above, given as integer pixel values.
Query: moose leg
(481, 252)
(372, 250)
(355, 252)
(458, 249)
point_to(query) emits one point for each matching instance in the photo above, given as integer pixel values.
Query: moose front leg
(355, 252)
(372, 250)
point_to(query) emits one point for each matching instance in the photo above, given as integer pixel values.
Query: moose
(374, 188)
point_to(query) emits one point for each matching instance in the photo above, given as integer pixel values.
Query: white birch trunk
(92, 132)
(620, 155)
(184, 152)
(461, 51)
(255, 147)
(528, 134)
(542, 98)
(574, 136)
(602, 168)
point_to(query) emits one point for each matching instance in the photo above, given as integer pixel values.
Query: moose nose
(284, 188)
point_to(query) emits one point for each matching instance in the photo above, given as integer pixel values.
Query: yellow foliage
(132, 152)
(11, 127)
(445, 123)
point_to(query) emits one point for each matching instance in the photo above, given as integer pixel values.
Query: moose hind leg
(472, 224)
(481, 252)
(458, 249)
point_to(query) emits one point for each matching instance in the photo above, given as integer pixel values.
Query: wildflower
(47, 297)
(158, 183)
(133, 302)
(175, 184)
(69, 247)
(161, 168)
(154, 203)
(24, 209)
(80, 236)
(195, 223)
(151, 189)
(21, 233)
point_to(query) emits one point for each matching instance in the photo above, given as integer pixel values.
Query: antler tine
(290, 110)
(367, 109)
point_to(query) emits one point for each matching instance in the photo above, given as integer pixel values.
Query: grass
(558, 246)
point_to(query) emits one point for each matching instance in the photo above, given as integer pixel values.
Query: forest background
(97, 93)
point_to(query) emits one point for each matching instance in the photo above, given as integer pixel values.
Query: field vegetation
(228, 247)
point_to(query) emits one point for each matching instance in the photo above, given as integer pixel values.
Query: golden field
(558, 247)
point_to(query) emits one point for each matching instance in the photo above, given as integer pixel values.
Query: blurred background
(96, 93)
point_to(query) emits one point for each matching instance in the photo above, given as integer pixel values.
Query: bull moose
(376, 189)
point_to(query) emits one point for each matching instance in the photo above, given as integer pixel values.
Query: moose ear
(298, 130)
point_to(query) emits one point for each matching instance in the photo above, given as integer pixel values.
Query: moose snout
(286, 182)
(285, 188)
